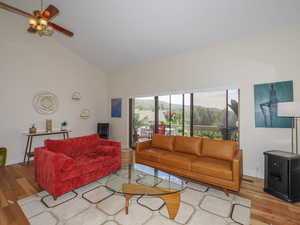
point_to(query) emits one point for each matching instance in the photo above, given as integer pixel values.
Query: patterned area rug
(95, 205)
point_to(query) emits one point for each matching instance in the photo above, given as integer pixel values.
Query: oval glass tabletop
(139, 179)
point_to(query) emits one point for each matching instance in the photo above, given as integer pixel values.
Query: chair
(3, 152)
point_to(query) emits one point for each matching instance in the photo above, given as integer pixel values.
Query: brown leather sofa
(210, 161)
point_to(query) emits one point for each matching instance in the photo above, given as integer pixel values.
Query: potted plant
(63, 125)
(32, 129)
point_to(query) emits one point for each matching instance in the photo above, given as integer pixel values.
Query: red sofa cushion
(58, 146)
(88, 163)
(84, 164)
(74, 147)
(107, 150)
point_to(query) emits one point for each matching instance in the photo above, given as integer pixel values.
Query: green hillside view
(207, 122)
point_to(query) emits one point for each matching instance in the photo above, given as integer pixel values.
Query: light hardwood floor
(17, 182)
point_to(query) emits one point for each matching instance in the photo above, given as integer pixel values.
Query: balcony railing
(146, 133)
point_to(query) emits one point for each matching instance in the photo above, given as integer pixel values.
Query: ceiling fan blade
(61, 29)
(15, 10)
(50, 12)
(31, 30)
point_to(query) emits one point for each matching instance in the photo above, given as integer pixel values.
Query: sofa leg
(226, 192)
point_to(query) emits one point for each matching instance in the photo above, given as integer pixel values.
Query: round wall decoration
(45, 102)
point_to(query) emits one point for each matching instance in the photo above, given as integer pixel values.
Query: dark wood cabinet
(282, 175)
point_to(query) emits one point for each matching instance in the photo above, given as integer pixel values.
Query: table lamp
(292, 110)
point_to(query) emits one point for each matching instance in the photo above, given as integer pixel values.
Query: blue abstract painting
(116, 107)
(267, 96)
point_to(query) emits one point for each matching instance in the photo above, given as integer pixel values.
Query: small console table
(28, 153)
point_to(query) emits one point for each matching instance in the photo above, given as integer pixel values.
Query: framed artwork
(116, 107)
(267, 96)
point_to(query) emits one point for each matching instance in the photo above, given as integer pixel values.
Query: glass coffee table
(139, 179)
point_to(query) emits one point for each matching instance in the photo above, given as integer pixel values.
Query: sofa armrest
(237, 166)
(49, 164)
(143, 145)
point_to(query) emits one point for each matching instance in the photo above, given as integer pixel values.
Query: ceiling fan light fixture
(40, 21)
(32, 22)
(39, 27)
(48, 32)
(43, 22)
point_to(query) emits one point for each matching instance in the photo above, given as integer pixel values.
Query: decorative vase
(32, 130)
(48, 125)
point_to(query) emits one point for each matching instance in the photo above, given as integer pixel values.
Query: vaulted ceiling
(114, 34)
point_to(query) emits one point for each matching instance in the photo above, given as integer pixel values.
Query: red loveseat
(64, 165)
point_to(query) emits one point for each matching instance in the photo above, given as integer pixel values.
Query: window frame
(156, 112)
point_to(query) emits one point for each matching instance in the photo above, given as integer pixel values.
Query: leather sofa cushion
(213, 167)
(219, 149)
(191, 145)
(163, 142)
(177, 160)
(151, 154)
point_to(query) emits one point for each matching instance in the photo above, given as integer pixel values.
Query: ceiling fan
(39, 21)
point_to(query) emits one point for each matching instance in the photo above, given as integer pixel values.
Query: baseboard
(253, 173)
(12, 162)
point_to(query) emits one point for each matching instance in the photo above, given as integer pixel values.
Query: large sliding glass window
(164, 115)
(176, 117)
(187, 115)
(233, 114)
(143, 119)
(209, 114)
(213, 114)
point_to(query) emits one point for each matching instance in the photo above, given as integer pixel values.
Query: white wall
(268, 57)
(29, 64)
